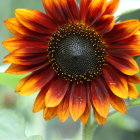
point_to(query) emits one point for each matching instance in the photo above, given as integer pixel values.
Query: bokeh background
(17, 122)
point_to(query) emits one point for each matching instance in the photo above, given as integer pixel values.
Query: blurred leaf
(130, 14)
(10, 79)
(135, 103)
(125, 122)
(11, 124)
(35, 138)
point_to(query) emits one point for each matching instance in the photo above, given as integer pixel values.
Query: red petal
(23, 69)
(84, 5)
(36, 81)
(50, 113)
(35, 20)
(122, 30)
(56, 92)
(95, 10)
(63, 107)
(125, 64)
(14, 43)
(112, 6)
(18, 29)
(54, 10)
(99, 97)
(117, 103)
(85, 116)
(39, 103)
(104, 24)
(77, 101)
(26, 60)
(101, 120)
(116, 82)
(134, 79)
(131, 50)
(132, 91)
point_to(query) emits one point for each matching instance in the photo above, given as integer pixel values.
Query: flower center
(77, 53)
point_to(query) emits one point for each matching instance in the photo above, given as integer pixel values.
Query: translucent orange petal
(100, 97)
(134, 79)
(35, 20)
(23, 69)
(101, 120)
(112, 6)
(84, 5)
(63, 108)
(77, 101)
(131, 50)
(85, 116)
(117, 103)
(49, 113)
(16, 42)
(18, 29)
(95, 10)
(122, 30)
(56, 92)
(125, 64)
(54, 9)
(132, 91)
(39, 103)
(36, 81)
(104, 24)
(116, 82)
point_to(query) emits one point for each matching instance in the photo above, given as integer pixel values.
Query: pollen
(77, 53)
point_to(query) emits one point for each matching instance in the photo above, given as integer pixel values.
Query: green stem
(89, 129)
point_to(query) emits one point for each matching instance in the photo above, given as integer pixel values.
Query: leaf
(11, 124)
(135, 103)
(130, 14)
(35, 138)
(124, 121)
(10, 79)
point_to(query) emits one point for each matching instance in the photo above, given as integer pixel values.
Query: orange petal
(77, 100)
(100, 97)
(131, 50)
(36, 81)
(134, 79)
(84, 5)
(63, 107)
(104, 24)
(73, 6)
(122, 30)
(14, 43)
(85, 116)
(56, 92)
(95, 10)
(125, 64)
(35, 20)
(23, 69)
(117, 103)
(50, 113)
(39, 103)
(54, 10)
(132, 91)
(26, 60)
(101, 120)
(112, 6)
(116, 81)
(18, 29)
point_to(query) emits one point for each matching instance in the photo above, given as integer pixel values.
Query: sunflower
(77, 58)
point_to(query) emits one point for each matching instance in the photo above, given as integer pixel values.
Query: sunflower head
(77, 58)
